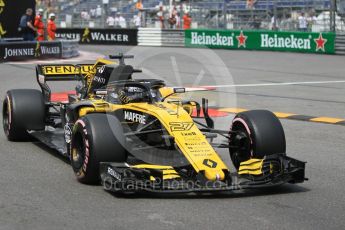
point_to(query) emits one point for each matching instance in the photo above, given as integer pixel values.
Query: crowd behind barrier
(282, 15)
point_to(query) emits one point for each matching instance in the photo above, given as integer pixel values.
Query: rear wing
(65, 72)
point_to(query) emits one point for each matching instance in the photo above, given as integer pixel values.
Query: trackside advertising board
(13, 51)
(99, 36)
(262, 40)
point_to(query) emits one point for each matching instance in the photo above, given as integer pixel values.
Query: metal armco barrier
(159, 37)
(70, 48)
(340, 44)
(99, 36)
(323, 43)
(14, 51)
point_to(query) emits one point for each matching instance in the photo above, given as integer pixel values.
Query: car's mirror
(179, 90)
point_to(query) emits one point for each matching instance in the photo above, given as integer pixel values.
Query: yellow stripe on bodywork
(158, 167)
(327, 120)
(168, 171)
(251, 167)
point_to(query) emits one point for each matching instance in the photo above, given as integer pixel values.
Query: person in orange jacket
(39, 25)
(187, 21)
(51, 28)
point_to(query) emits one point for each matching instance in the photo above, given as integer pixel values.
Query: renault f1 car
(136, 135)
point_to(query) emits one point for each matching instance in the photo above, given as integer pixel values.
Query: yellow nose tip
(214, 175)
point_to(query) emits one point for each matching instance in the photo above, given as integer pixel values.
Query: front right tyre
(96, 138)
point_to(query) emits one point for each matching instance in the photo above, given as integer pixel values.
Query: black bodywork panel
(54, 139)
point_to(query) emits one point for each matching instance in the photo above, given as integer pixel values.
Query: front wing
(123, 178)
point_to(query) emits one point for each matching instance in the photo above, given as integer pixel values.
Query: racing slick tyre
(23, 109)
(96, 138)
(255, 134)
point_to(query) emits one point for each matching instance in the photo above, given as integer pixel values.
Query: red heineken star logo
(320, 43)
(241, 40)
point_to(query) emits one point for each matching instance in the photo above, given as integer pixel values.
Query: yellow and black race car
(135, 135)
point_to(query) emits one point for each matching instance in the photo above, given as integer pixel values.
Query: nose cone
(214, 175)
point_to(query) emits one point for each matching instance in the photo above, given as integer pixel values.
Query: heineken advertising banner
(13, 51)
(100, 36)
(262, 40)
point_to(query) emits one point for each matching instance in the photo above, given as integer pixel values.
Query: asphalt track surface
(39, 191)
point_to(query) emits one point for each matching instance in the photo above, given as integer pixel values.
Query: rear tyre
(256, 134)
(96, 138)
(22, 110)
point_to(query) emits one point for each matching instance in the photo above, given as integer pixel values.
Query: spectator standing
(187, 21)
(274, 23)
(139, 5)
(26, 26)
(110, 21)
(138, 9)
(84, 15)
(172, 21)
(178, 20)
(51, 27)
(311, 20)
(117, 20)
(39, 25)
(160, 16)
(122, 21)
(98, 11)
(93, 13)
(302, 23)
(136, 21)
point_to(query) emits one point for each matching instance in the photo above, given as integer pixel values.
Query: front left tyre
(255, 134)
(22, 110)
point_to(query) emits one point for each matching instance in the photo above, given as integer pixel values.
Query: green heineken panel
(261, 40)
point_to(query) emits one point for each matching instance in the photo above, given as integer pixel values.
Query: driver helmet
(132, 94)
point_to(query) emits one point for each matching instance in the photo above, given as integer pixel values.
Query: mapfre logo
(180, 126)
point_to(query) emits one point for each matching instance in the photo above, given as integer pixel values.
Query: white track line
(273, 84)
